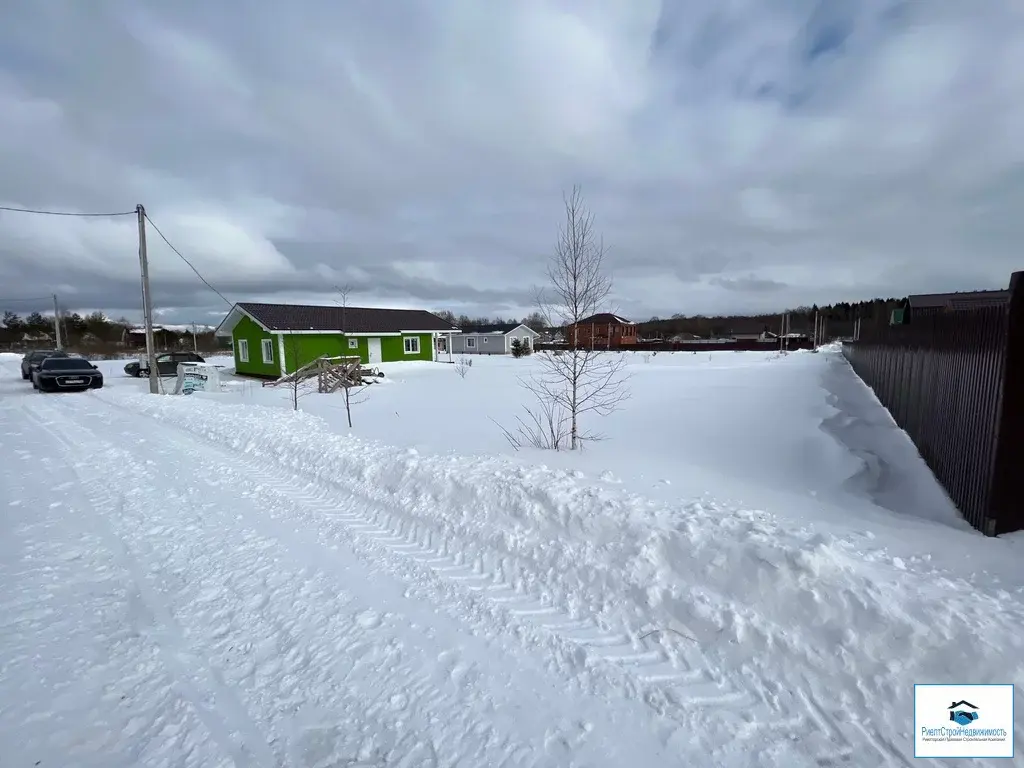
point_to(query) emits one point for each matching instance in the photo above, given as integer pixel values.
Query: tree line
(840, 318)
(534, 320)
(93, 329)
(96, 327)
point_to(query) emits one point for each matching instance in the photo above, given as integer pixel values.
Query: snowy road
(210, 627)
(169, 599)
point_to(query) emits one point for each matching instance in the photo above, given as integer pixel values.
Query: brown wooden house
(603, 330)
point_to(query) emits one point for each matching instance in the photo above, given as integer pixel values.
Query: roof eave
(235, 314)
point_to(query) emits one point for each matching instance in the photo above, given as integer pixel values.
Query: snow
(752, 570)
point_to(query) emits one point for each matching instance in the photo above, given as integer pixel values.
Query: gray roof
(302, 317)
(961, 300)
(492, 328)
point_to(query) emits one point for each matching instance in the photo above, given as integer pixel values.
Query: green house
(272, 340)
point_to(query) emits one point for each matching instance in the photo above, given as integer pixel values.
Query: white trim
(521, 325)
(451, 331)
(280, 353)
(374, 334)
(351, 339)
(231, 312)
(472, 339)
(405, 345)
(237, 310)
(241, 313)
(267, 345)
(337, 332)
(243, 350)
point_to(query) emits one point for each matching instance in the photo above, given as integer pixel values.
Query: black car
(166, 364)
(32, 359)
(61, 374)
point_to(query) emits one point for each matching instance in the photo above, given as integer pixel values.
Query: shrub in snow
(462, 366)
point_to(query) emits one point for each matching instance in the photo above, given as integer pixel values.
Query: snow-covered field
(752, 570)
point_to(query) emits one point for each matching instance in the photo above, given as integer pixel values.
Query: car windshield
(41, 354)
(64, 364)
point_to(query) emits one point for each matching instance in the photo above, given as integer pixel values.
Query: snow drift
(783, 607)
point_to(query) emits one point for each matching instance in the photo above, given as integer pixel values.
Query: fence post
(1006, 509)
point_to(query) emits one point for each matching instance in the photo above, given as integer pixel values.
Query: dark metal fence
(953, 379)
(723, 345)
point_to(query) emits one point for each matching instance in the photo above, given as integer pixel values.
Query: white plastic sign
(197, 378)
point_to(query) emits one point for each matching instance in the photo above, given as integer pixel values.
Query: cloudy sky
(738, 155)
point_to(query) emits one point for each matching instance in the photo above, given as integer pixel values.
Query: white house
(492, 339)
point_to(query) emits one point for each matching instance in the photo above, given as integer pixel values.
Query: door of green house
(373, 351)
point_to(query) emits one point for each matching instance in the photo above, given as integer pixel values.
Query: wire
(37, 298)
(64, 213)
(180, 256)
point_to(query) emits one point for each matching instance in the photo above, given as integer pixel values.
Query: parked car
(32, 359)
(166, 364)
(60, 374)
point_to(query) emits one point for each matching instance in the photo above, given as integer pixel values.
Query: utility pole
(195, 344)
(147, 304)
(56, 324)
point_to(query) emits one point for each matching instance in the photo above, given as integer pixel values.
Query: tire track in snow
(200, 682)
(558, 741)
(676, 679)
(75, 677)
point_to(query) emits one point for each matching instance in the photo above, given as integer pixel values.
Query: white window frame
(353, 343)
(415, 342)
(525, 340)
(470, 342)
(243, 350)
(267, 347)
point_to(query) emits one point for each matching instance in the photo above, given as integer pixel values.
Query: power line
(63, 213)
(191, 266)
(36, 298)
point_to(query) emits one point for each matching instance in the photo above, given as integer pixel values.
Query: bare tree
(299, 387)
(535, 320)
(355, 399)
(578, 381)
(345, 290)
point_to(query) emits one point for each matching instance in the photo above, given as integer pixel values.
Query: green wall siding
(392, 348)
(303, 348)
(252, 333)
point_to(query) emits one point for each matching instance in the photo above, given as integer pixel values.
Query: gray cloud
(738, 157)
(749, 284)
